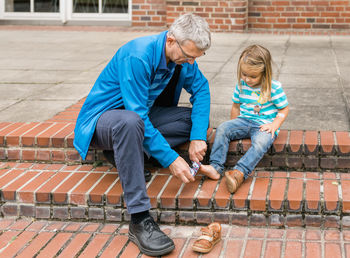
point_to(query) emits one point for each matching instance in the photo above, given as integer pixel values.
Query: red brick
(222, 196)
(114, 194)
(246, 144)
(60, 195)
(206, 193)
(332, 250)
(311, 141)
(43, 139)
(43, 155)
(293, 249)
(312, 195)
(7, 128)
(4, 180)
(43, 194)
(58, 140)
(13, 138)
(69, 140)
(240, 197)
(79, 194)
(17, 244)
(296, 141)
(14, 154)
(28, 155)
(273, 249)
(331, 195)
(75, 245)
(9, 192)
(295, 194)
(36, 244)
(55, 245)
(343, 141)
(96, 244)
(3, 125)
(345, 185)
(276, 197)
(186, 197)
(280, 143)
(258, 198)
(253, 248)
(327, 141)
(97, 193)
(7, 237)
(167, 199)
(28, 139)
(26, 193)
(115, 246)
(155, 188)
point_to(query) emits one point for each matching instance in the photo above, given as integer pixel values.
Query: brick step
(84, 192)
(302, 150)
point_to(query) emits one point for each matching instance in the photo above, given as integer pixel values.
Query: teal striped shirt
(250, 108)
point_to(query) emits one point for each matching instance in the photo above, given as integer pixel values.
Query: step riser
(276, 198)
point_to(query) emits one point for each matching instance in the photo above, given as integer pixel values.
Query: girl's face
(250, 76)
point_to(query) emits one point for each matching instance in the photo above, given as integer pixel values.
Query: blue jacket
(126, 80)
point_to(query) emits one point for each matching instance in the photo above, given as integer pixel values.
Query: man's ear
(170, 40)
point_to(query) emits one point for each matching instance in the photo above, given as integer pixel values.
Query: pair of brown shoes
(234, 178)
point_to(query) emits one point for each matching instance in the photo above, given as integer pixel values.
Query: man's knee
(263, 142)
(130, 122)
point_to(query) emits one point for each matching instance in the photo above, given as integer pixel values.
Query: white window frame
(65, 14)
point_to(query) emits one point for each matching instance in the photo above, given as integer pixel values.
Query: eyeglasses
(186, 56)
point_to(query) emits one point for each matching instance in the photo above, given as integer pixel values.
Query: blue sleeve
(197, 85)
(134, 75)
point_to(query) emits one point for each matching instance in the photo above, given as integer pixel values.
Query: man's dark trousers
(123, 132)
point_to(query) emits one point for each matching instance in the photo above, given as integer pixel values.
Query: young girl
(259, 108)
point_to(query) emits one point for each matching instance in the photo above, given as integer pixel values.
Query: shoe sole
(205, 250)
(150, 252)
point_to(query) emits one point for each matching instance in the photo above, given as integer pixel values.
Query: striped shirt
(251, 106)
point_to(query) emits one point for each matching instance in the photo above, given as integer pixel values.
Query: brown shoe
(234, 178)
(210, 236)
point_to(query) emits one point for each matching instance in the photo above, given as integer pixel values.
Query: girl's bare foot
(209, 171)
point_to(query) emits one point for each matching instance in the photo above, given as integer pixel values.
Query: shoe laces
(151, 225)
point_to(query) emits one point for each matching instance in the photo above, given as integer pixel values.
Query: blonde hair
(257, 58)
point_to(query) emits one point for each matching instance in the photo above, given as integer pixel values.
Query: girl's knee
(263, 142)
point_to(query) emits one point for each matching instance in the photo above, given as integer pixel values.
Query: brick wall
(148, 13)
(299, 15)
(249, 15)
(221, 15)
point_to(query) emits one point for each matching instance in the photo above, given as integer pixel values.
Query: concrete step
(84, 192)
(302, 150)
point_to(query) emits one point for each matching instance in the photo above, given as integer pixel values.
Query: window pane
(114, 6)
(17, 5)
(46, 6)
(85, 6)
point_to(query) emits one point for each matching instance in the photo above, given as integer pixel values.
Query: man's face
(186, 52)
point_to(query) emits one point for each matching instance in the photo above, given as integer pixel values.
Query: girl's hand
(270, 128)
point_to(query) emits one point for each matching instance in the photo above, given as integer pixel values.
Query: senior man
(132, 110)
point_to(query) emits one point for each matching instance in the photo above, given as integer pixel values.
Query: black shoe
(109, 155)
(149, 238)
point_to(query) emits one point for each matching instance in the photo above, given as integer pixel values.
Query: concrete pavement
(45, 70)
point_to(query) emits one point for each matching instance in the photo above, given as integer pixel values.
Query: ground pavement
(53, 205)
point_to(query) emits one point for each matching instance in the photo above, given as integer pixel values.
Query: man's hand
(197, 150)
(181, 170)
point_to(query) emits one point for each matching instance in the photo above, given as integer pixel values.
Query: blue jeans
(235, 129)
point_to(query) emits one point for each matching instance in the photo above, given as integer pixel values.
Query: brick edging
(295, 149)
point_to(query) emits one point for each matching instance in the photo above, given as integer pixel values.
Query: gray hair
(191, 27)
